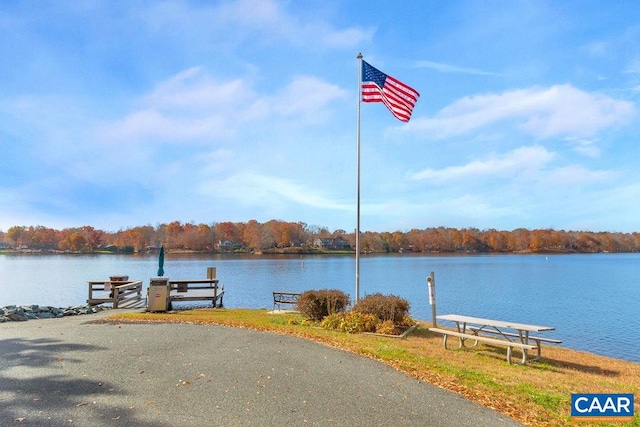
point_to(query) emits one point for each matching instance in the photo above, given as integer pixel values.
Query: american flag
(379, 87)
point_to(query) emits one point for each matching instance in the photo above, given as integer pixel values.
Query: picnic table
(496, 332)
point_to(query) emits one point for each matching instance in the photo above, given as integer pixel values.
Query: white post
(358, 179)
(431, 283)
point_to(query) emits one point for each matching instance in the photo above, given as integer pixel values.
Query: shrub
(351, 322)
(384, 307)
(407, 321)
(388, 328)
(318, 304)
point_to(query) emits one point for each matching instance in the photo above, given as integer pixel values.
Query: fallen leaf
(20, 419)
(82, 404)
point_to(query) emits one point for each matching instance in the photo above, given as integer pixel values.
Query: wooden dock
(118, 291)
(195, 290)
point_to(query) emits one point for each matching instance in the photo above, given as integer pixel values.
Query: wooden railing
(196, 290)
(116, 292)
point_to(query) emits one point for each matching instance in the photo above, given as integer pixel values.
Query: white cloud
(560, 110)
(597, 48)
(348, 38)
(522, 161)
(586, 147)
(267, 191)
(152, 124)
(575, 174)
(633, 67)
(192, 106)
(447, 68)
(272, 24)
(256, 14)
(188, 106)
(194, 89)
(306, 95)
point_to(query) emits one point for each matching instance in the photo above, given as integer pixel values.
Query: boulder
(33, 311)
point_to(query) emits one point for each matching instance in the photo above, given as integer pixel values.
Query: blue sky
(119, 114)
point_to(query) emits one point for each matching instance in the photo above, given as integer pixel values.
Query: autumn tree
(227, 231)
(204, 238)
(471, 239)
(371, 242)
(252, 235)
(15, 233)
(44, 237)
(140, 237)
(173, 235)
(93, 237)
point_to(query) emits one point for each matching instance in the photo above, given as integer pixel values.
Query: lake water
(591, 299)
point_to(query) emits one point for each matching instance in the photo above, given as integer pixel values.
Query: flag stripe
(380, 87)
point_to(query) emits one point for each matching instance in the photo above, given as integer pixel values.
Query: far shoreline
(301, 252)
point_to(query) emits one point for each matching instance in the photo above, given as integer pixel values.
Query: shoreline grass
(537, 394)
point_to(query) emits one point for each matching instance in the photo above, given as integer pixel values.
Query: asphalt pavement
(83, 372)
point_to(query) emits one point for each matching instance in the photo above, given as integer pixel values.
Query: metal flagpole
(358, 180)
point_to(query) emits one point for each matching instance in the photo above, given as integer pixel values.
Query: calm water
(592, 300)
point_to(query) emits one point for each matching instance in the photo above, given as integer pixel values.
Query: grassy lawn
(538, 394)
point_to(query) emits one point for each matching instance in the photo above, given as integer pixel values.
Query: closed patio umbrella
(161, 262)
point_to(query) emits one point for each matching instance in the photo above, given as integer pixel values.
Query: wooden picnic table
(496, 332)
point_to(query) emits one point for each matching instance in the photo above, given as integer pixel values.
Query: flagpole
(358, 180)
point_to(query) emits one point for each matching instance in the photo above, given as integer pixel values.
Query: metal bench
(279, 298)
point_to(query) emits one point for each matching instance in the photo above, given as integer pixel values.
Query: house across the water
(334, 244)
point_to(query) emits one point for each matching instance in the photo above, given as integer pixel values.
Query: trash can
(158, 294)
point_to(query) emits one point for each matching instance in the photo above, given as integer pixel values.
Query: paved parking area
(76, 371)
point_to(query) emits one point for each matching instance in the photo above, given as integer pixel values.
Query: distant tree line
(297, 237)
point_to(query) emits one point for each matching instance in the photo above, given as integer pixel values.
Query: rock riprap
(19, 313)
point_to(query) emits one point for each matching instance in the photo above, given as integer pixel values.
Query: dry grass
(538, 394)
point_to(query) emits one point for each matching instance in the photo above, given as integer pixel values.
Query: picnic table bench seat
(538, 340)
(493, 341)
